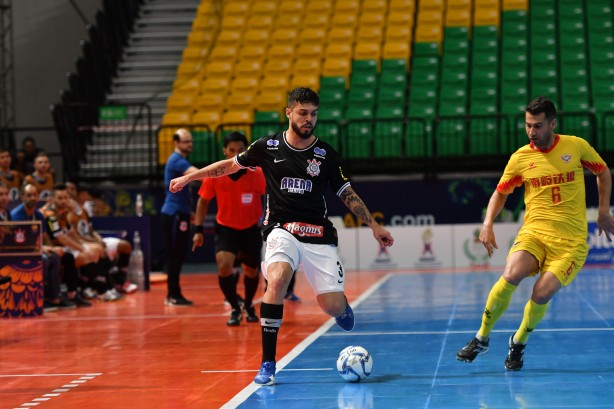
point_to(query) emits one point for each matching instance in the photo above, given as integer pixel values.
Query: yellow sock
(533, 314)
(498, 301)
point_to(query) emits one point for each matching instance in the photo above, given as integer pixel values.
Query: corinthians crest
(314, 167)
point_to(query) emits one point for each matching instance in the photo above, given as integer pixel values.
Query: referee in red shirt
(237, 229)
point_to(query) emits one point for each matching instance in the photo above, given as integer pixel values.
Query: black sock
(270, 321)
(229, 288)
(251, 286)
(122, 262)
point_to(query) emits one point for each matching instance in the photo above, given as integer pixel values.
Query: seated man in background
(41, 178)
(87, 255)
(55, 259)
(4, 217)
(10, 177)
(116, 249)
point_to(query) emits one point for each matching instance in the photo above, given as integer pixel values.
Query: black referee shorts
(245, 244)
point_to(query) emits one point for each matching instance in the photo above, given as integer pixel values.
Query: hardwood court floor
(139, 353)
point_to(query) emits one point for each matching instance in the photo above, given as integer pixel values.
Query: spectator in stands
(176, 212)
(55, 255)
(87, 255)
(4, 217)
(237, 231)
(116, 249)
(552, 240)
(41, 178)
(25, 157)
(10, 177)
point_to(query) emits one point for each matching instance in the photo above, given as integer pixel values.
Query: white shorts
(111, 244)
(320, 262)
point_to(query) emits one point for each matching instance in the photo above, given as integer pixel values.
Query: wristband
(198, 229)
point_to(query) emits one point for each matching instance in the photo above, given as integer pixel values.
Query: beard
(304, 134)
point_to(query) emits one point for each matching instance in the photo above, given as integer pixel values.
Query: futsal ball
(354, 363)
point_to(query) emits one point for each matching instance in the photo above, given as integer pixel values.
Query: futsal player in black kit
(298, 168)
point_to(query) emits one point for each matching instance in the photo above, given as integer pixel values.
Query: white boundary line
(56, 392)
(297, 350)
(81, 375)
(366, 333)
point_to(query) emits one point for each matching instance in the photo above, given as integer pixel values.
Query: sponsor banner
(470, 252)
(21, 238)
(601, 251)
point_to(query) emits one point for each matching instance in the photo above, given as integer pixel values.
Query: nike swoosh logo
(278, 160)
(269, 322)
(339, 281)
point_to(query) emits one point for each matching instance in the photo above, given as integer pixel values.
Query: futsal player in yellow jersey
(552, 240)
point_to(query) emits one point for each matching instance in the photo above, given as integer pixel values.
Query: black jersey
(296, 181)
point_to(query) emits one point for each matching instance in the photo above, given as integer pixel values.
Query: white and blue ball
(354, 363)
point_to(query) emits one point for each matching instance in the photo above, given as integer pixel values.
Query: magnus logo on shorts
(296, 185)
(304, 229)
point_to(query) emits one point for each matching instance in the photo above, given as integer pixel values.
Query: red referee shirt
(239, 202)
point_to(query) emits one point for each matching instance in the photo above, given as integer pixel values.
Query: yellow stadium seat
(281, 51)
(370, 34)
(260, 22)
(395, 50)
(459, 4)
(256, 36)
(315, 21)
(515, 5)
(238, 117)
(289, 21)
(289, 7)
(215, 86)
(429, 34)
(177, 118)
(209, 118)
(219, 69)
(486, 17)
(434, 5)
(341, 35)
(429, 17)
(274, 85)
(367, 51)
(165, 144)
(372, 20)
(205, 23)
(402, 6)
(210, 102)
(246, 85)
(194, 54)
(347, 6)
(458, 18)
(486, 4)
(397, 33)
(180, 102)
(313, 35)
(229, 38)
(236, 23)
(310, 51)
(336, 67)
(344, 20)
(306, 80)
(374, 6)
(307, 66)
(253, 52)
(271, 101)
(285, 36)
(189, 85)
(189, 69)
(279, 67)
(249, 68)
(223, 53)
(236, 8)
(400, 19)
(338, 50)
(201, 38)
(208, 8)
(240, 101)
(319, 6)
(264, 8)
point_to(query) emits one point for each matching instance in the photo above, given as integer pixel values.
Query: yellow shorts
(564, 258)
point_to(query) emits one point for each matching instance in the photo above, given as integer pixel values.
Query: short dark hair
(302, 95)
(3, 149)
(539, 105)
(235, 137)
(59, 186)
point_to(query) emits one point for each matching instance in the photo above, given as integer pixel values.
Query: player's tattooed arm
(217, 171)
(356, 206)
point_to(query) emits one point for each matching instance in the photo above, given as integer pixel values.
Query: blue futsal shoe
(266, 375)
(346, 320)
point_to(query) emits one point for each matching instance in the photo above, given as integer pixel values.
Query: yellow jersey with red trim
(553, 179)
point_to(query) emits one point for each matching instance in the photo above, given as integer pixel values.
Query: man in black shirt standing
(298, 168)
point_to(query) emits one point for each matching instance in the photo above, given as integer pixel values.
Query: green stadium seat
(388, 142)
(393, 80)
(391, 96)
(363, 79)
(365, 66)
(418, 139)
(355, 112)
(330, 131)
(461, 32)
(450, 137)
(389, 112)
(206, 149)
(394, 66)
(363, 97)
(426, 49)
(456, 45)
(359, 139)
(330, 112)
(484, 137)
(333, 82)
(332, 96)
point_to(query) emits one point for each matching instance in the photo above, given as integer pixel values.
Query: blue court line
(240, 397)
